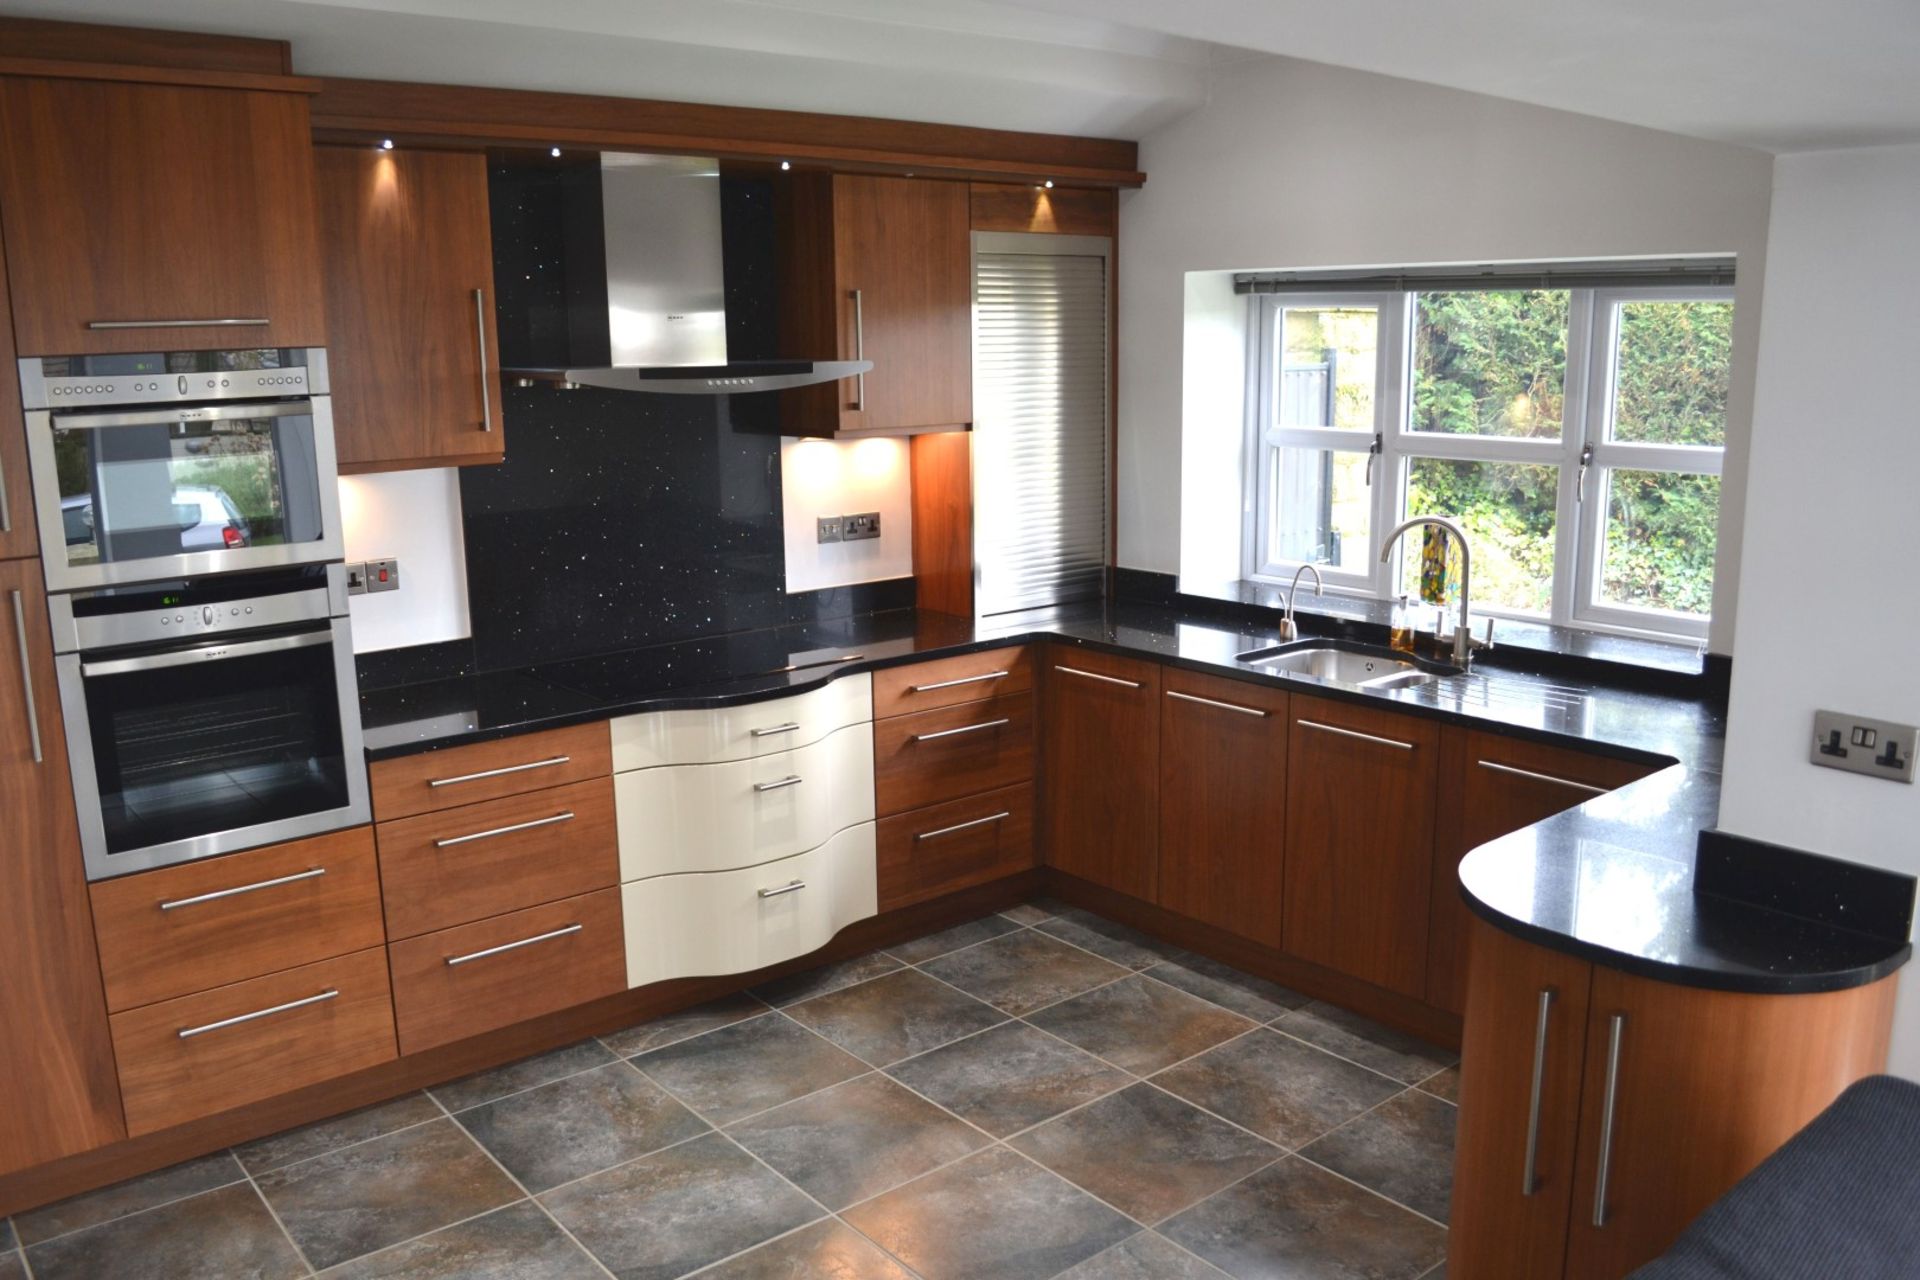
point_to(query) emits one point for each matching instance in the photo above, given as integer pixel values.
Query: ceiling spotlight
(1048, 184)
(554, 152)
(785, 165)
(386, 144)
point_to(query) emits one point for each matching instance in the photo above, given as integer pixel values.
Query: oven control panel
(72, 382)
(182, 618)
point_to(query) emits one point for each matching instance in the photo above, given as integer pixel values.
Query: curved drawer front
(736, 921)
(657, 738)
(716, 817)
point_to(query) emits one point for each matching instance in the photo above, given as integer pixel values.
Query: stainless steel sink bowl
(1356, 666)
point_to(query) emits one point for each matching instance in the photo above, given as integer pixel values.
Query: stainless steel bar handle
(1354, 733)
(198, 898)
(501, 772)
(859, 353)
(772, 729)
(1210, 702)
(965, 728)
(486, 371)
(205, 653)
(1616, 1027)
(220, 322)
(965, 826)
(1529, 1181)
(1531, 776)
(187, 1033)
(1095, 675)
(6, 509)
(791, 887)
(954, 684)
(26, 678)
(504, 831)
(778, 784)
(514, 946)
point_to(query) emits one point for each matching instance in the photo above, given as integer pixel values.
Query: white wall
(1301, 165)
(414, 517)
(837, 478)
(1831, 613)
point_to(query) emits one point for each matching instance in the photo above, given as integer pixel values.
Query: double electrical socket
(1877, 748)
(854, 528)
(372, 575)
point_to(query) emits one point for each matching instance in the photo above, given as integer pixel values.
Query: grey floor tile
(895, 1016)
(731, 1073)
(580, 1125)
(1225, 985)
(1145, 1152)
(356, 1200)
(226, 1233)
(8, 1241)
(1444, 1085)
(1027, 913)
(1391, 1053)
(960, 935)
(1140, 1024)
(1294, 1220)
(1009, 1078)
(992, 1216)
(672, 1028)
(11, 1267)
(1403, 1149)
(828, 977)
(144, 1192)
(827, 1250)
(1023, 971)
(1283, 1090)
(1108, 940)
(518, 1242)
(856, 1139)
(527, 1073)
(1146, 1256)
(679, 1209)
(319, 1138)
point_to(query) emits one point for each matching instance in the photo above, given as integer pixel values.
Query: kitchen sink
(1357, 666)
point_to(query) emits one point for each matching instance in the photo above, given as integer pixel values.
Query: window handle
(1373, 451)
(1580, 483)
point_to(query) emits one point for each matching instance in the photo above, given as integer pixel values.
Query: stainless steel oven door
(138, 495)
(186, 751)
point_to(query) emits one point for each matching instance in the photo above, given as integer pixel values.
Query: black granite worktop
(1612, 880)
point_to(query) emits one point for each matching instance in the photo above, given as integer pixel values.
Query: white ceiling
(1777, 74)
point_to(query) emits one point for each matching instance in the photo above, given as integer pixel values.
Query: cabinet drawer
(933, 756)
(740, 733)
(442, 869)
(462, 981)
(949, 681)
(488, 770)
(209, 1052)
(950, 846)
(203, 924)
(716, 817)
(737, 921)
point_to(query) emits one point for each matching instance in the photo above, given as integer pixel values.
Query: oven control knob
(206, 614)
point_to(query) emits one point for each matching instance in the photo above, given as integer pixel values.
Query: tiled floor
(1035, 1094)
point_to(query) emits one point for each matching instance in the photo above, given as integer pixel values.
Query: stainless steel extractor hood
(666, 295)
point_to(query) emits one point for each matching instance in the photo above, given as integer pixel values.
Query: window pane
(1670, 380)
(1490, 364)
(1659, 541)
(1508, 510)
(1319, 509)
(1327, 367)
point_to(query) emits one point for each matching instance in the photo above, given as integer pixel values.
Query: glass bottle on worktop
(1402, 625)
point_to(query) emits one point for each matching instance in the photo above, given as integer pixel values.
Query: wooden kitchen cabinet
(1703, 1086)
(1100, 769)
(409, 285)
(877, 268)
(17, 531)
(1223, 802)
(56, 1053)
(1361, 786)
(1493, 785)
(142, 205)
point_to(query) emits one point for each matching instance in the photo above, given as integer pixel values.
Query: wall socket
(1877, 748)
(364, 576)
(855, 528)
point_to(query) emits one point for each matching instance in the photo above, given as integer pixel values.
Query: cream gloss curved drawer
(707, 736)
(716, 817)
(737, 921)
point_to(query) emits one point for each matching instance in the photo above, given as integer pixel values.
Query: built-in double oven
(189, 519)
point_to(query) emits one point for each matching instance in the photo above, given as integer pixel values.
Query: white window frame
(1580, 515)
